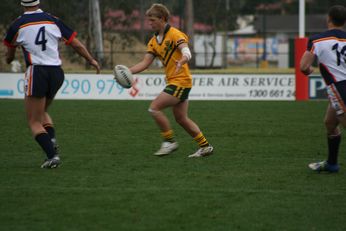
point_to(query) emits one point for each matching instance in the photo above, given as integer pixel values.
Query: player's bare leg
(46, 117)
(35, 112)
(162, 101)
(48, 125)
(35, 109)
(180, 112)
(331, 122)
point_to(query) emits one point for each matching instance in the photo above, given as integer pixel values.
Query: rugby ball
(123, 76)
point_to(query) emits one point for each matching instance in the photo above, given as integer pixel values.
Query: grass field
(257, 179)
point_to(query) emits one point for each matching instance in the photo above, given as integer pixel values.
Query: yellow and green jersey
(168, 53)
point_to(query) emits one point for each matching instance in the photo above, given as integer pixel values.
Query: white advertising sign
(148, 86)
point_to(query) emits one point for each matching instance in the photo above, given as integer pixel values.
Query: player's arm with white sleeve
(185, 50)
(142, 65)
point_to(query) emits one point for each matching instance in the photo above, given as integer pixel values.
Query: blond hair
(159, 11)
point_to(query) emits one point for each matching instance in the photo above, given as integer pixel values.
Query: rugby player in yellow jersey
(171, 46)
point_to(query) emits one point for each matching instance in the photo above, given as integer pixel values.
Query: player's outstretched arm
(82, 51)
(306, 62)
(142, 65)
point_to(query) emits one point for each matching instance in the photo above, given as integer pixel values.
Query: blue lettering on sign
(85, 86)
(100, 85)
(76, 86)
(20, 86)
(112, 82)
(6, 92)
(64, 87)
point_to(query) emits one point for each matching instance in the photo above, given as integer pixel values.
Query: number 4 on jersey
(41, 38)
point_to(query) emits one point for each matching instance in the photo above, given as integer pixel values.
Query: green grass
(257, 179)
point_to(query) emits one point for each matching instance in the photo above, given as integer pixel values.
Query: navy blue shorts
(43, 81)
